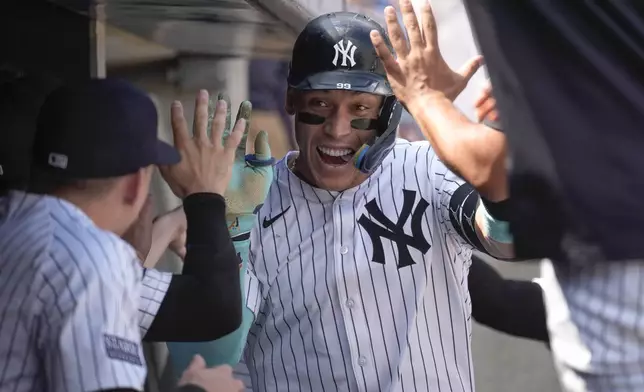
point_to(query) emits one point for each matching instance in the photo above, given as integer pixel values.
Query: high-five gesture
(206, 160)
(420, 67)
(252, 167)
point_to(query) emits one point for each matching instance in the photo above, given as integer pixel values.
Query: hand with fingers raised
(252, 175)
(206, 164)
(420, 67)
(252, 172)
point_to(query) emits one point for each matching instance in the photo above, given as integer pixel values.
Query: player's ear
(136, 187)
(290, 102)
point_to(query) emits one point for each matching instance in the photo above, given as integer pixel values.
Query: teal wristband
(497, 230)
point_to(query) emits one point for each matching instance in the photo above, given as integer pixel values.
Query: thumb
(262, 147)
(197, 363)
(470, 67)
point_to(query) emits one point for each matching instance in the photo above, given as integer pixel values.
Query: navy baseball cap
(99, 128)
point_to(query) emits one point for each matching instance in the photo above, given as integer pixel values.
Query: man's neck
(96, 209)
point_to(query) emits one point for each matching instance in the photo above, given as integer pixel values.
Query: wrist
(195, 190)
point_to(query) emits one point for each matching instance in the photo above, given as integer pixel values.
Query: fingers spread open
(179, 125)
(228, 124)
(396, 34)
(389, 62)
(200, 124)
(219, 122)
(430, 32)
(245, 111)
(262, 147)
(232, 141)
(411, 24)
(470, 67)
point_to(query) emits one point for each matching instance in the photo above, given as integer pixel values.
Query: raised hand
(252, 172)
(420, 67)
(208, 155)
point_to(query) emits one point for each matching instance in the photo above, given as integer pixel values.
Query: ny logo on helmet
(347, 53)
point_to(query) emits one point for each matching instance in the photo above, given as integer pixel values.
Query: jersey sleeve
(455, 203)
(153, 291)
(92, 340)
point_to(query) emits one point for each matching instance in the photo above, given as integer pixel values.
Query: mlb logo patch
(122, 349)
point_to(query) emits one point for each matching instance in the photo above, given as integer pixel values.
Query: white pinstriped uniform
(596, 322)
(330, 319)
(73, 305)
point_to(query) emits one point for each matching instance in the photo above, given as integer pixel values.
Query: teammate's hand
(169, 231)
(420, 67)
(139, 235)
(485, 105)
(217, 379)
(206, 162)
(252, 170)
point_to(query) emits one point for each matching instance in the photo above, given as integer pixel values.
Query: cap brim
(366, 82)
(167, 154)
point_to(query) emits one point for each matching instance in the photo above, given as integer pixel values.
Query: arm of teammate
(228, 349)
(250, 181)
(90, 314)
(200, 178)
(426, 85)
(206, 297)
(515, 307)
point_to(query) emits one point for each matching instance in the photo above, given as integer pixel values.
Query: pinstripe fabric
(69, 301)
(153, 291)
(596, 323)
(330, 319)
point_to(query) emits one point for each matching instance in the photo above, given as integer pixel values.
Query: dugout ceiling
(255, 28)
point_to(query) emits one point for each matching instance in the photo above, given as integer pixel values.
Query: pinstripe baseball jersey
(361, 290)
(72, 303)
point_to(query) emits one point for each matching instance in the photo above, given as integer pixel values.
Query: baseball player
(73, 293)
(358, 261)
(207, 281)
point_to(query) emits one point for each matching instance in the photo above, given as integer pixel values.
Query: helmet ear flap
(371, 154)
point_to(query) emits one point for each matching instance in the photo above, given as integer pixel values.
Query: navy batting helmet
(334, 52)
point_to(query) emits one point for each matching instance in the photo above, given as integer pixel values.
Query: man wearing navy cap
(74, 296)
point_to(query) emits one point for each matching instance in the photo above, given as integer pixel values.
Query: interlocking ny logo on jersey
(395, 231)
(347, 52)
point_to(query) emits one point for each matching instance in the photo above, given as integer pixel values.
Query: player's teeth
(335, 152)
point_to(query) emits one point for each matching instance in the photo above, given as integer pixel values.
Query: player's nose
(339, 124)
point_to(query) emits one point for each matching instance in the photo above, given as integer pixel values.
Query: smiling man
(358, 264)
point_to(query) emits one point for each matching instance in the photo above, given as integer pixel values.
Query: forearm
(473, 151)
(206, 298)
(511, 306)
(226, 349)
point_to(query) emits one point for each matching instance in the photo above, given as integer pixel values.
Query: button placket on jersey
(343, 250)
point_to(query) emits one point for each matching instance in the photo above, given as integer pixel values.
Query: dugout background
(172, 51)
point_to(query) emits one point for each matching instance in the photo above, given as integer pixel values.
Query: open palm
(252, 172)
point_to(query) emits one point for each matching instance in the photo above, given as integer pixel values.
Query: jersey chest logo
(395, 232)
(347, 52)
